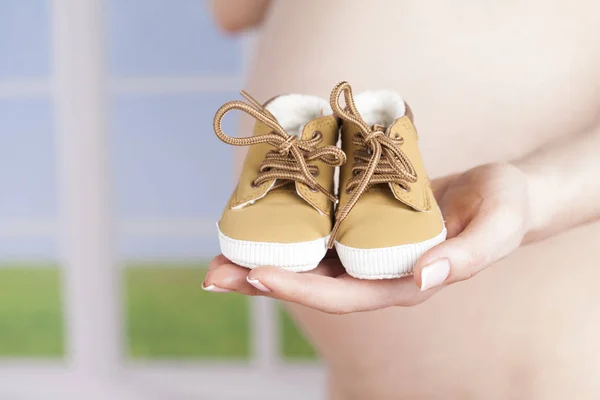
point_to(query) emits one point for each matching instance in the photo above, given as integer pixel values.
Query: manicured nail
(435, 274)
(215, 289)
(257, 284)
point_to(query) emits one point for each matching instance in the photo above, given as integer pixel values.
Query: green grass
(30, 312)
(168, 316)
(293, 344)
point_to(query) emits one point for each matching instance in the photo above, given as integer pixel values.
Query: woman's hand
(487, 215)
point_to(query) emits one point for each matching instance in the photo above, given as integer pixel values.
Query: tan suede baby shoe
(281, 212)
(387, 216)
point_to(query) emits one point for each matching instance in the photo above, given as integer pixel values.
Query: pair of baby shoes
(284, 211)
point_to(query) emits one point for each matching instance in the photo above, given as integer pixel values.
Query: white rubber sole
(297, 257)
(386, 262)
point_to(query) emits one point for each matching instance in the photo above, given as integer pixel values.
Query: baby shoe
(387, 216)
(281, 212)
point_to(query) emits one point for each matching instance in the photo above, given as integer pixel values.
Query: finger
(217, 261)
(336, 295)
(224, 276)
(459, 210)
(457, 207)
(228, 277)
(327, 268)
(490, 236)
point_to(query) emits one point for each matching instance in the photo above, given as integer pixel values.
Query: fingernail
(215, 289)
(257, 284)
(435, 274)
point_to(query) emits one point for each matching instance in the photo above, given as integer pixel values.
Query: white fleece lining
(381, 107)
(387, 262)
(296, 257)
(293, 111)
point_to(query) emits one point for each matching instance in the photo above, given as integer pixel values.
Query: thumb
(487, 238)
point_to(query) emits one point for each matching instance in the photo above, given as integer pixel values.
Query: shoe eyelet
(406, 188)
(313, 189)
(316, 173)
(253, 185)
(356, 172)
(317, 135)
(348, 191)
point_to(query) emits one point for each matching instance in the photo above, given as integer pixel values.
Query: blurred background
(168, 69)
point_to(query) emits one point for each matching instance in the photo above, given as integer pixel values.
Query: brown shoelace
(288, 163)
(379, 160)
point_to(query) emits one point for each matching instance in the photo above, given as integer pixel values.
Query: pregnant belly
(487, 80)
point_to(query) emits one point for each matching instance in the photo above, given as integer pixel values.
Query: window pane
(30, 311)
(31, 322)
(170, 316)
(167, 38)
(27, 163)
(167, 160)
(24, 39)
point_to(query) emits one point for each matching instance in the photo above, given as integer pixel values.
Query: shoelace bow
(380, 159)
(288, 163)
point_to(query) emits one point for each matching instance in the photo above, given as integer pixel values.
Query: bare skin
(507, 101)
(236, 15)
